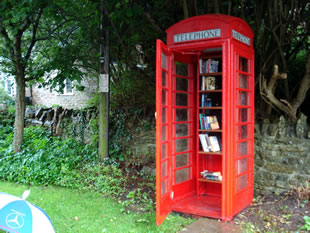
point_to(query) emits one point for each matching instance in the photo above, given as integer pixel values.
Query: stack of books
(208, 66)
(209, 143)
(207, 83)
(217, 176)
(208, 122)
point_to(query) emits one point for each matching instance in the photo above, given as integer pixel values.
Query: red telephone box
(205, 118)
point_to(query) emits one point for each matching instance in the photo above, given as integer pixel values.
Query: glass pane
(164, 169)
(163, 97)
(163, 78)
(242, 165)
(243, 64)
(242, 182)
(68, 86)
(243, 98)
(163, 187)
(181, 69)
(163, 61)
(164, 133)
(182, 84)
(243, 114)
(243, 81)
(243, 148)
(181, 99)
(181, 130)
(181, 145)
(163, 151)
(243, 132)
(181, 114)
(164, 115)
(181, 160)
(182, 175)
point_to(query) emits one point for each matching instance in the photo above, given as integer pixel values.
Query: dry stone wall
(282, 155)
(282, 149)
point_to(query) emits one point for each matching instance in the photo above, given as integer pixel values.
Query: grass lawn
(72, 211)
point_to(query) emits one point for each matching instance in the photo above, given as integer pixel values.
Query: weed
(303, 192)
(307, 224)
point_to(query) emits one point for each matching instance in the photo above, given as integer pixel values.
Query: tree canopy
(40, 36)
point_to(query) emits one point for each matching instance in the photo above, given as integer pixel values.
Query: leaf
(142, 220)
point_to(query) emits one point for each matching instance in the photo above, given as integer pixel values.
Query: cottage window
(68, 87)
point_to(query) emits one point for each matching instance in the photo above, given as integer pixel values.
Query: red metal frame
(231, 39)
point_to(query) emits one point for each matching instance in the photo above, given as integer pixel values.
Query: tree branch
(8, 41)
(304, 86)
(185, 9)
(268, 96)
(153, 23)
(34, 33)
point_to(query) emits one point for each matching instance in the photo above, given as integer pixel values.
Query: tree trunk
(20, 111)
(185, 9)
(288, 107)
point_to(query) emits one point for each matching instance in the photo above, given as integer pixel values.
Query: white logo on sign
(15, 220)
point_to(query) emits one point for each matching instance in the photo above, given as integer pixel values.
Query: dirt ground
(275, 213)
(269, 212)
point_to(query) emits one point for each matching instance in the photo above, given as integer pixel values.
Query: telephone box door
(164, 194)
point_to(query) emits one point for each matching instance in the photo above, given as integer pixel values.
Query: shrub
(44, 159)
(4, 97)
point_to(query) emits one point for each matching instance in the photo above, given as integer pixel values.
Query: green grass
(73, 211)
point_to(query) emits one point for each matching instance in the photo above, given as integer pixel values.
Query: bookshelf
(209, 94)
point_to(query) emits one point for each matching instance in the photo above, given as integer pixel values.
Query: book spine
(208, 142)
(203, 83)
(202, 100)
(201, 121)
(215, 178)
(203, 143)
(206, 125)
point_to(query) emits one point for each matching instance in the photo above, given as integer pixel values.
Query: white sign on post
(104, 83)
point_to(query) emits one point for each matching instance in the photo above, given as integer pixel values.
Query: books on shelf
(217, 176)
(208, 122)
(206, 101)
(208, 83)
(215, 145)
(209, 143)
(214, 122)
(208, 66)
(204, 143)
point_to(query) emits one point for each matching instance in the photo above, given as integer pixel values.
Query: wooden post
(103, 148)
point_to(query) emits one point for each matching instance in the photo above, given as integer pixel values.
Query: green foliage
(4, 97)
(44, 160)
(106, 179)
(307, 224)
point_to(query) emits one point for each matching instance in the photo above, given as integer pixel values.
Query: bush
(47, 160)
(44, 159)
(4, 97)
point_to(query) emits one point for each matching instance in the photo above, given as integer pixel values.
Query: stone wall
(282, 149)
(79, 124)
(75, 100)
(282, 155)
